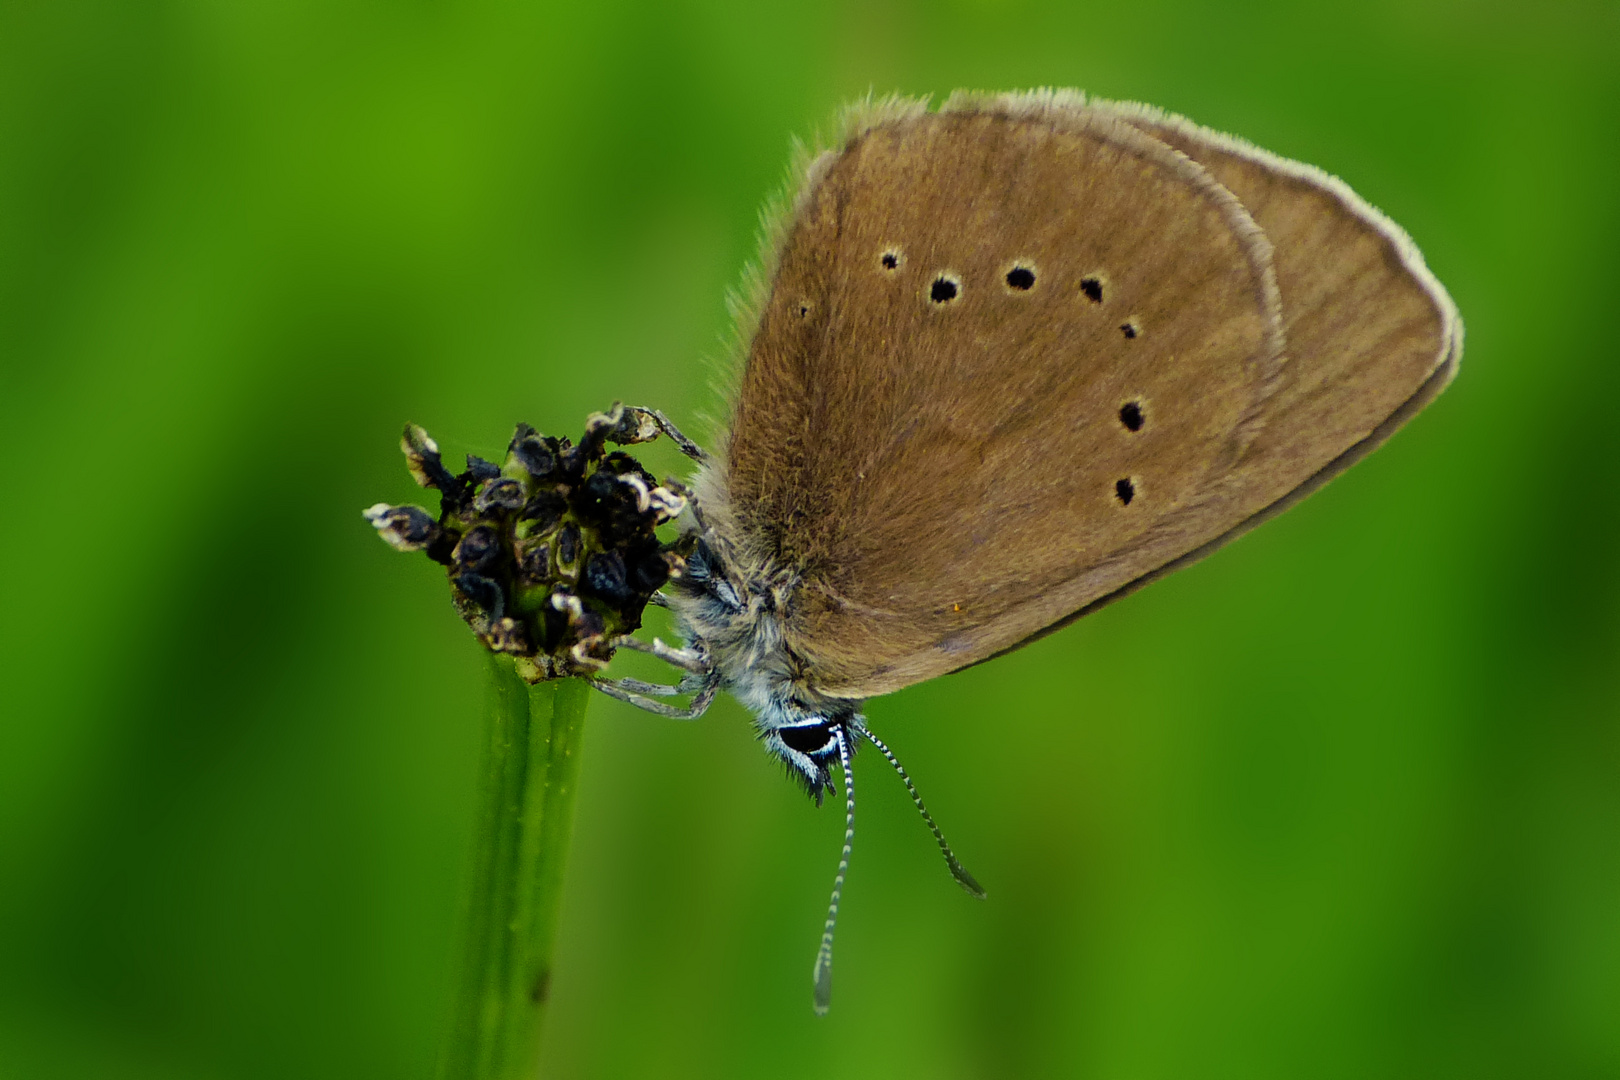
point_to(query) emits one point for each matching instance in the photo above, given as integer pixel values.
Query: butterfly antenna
(958, 871)
(823, 969)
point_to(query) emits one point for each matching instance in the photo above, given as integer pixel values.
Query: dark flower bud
(536, 453)
(545, 509)
(620, 463)
(598, 426)
(634, 426)
(484, 593)
(591, 654)
(403, 528)
(554, 621)
(649, 571)
(479, 470)
(604, 578)
(535, 563)
(599, 493)
(668, 502)
(442, 549)
(478, 550)
(589, 624)
(499, 495)
(507, 635)
(568, 546)
(572, 462)
(422, 459)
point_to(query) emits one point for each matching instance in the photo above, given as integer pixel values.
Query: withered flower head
(552, 555)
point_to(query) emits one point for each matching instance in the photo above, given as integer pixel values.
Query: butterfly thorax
(737, 618)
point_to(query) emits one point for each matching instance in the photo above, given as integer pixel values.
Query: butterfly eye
(568, 545)
(807, 739)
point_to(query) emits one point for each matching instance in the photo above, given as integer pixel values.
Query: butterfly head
(808, 745)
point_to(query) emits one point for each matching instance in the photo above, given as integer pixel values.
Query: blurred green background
(1343, 800)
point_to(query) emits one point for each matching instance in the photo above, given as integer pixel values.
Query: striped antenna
(958, 871)
(823, 970)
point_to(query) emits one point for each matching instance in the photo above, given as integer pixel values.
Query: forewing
(1372, 337)
(1371, 333)
(934, 432)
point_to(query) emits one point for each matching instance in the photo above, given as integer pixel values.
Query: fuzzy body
(734, 609)
(1005, 362)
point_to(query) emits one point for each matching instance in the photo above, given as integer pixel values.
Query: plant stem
(525, 814)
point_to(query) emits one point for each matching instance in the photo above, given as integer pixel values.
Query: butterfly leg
(695, 661)
(633, 692)
(687, 685)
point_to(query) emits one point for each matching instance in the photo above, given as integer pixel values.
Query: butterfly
(1006, 362)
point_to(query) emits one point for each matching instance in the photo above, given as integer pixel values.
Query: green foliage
(1339, 801)
(520, 848)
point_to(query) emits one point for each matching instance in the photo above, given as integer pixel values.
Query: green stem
(526, 802)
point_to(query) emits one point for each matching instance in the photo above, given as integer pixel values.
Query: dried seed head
(552, 555)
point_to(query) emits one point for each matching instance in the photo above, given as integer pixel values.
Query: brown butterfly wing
(929, 437)
(1367, 324)
(1372, 337)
